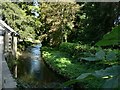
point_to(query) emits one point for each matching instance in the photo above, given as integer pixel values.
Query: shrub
(76, 50)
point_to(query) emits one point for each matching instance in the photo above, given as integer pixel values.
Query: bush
(64, 64)
(61, 63)
(76, 50)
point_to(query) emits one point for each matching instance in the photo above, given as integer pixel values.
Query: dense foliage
(18, 20)
(54, 19)
(74, 48)
(94, 20)
(82, 39)
(110, 74)
(62, 62)
(81, 22)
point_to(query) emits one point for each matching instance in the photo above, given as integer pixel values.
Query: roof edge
(7, 26)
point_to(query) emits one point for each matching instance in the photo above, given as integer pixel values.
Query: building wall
(1, 55)
(9, 40)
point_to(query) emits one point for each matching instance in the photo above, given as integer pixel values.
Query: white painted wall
(1, 53)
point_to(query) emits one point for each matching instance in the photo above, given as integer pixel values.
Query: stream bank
(32, 72)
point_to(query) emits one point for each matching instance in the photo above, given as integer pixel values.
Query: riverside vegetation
(80, 41)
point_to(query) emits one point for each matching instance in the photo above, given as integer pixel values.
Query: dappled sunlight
(64, 61)
(106, 77)
(63, 64)
(73, 39)
(46, 54)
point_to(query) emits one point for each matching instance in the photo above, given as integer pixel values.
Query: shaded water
(33, 71)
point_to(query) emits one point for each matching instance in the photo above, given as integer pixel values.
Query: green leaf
(112, 83)
(112, 74)
(110, 71)
(114, 34)
(111, 38)
(84, 75)
(90, 58)
(107, 42)
(100, 73)
(111, 56)
(100, 55)
(70, 82)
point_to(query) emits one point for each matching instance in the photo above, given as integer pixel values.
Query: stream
(33, 72)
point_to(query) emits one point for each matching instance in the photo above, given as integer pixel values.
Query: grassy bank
(67, 67)
(67, 61)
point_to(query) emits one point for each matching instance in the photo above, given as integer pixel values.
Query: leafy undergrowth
(110, 76)
(76, 50)
(65, 66)
(62, 64)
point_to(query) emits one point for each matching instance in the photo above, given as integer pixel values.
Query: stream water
(34, 72)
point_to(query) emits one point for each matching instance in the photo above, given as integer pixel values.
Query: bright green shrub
(62, 63)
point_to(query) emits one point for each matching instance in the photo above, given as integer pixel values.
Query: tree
(57, 20)
(94, 20)
(18, 20)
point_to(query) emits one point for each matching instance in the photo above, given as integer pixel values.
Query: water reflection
(32, 69)
(35, 66)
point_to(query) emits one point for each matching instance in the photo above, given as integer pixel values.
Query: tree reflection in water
(33, 70)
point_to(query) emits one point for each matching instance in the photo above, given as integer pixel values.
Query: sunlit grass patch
(60, 61)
